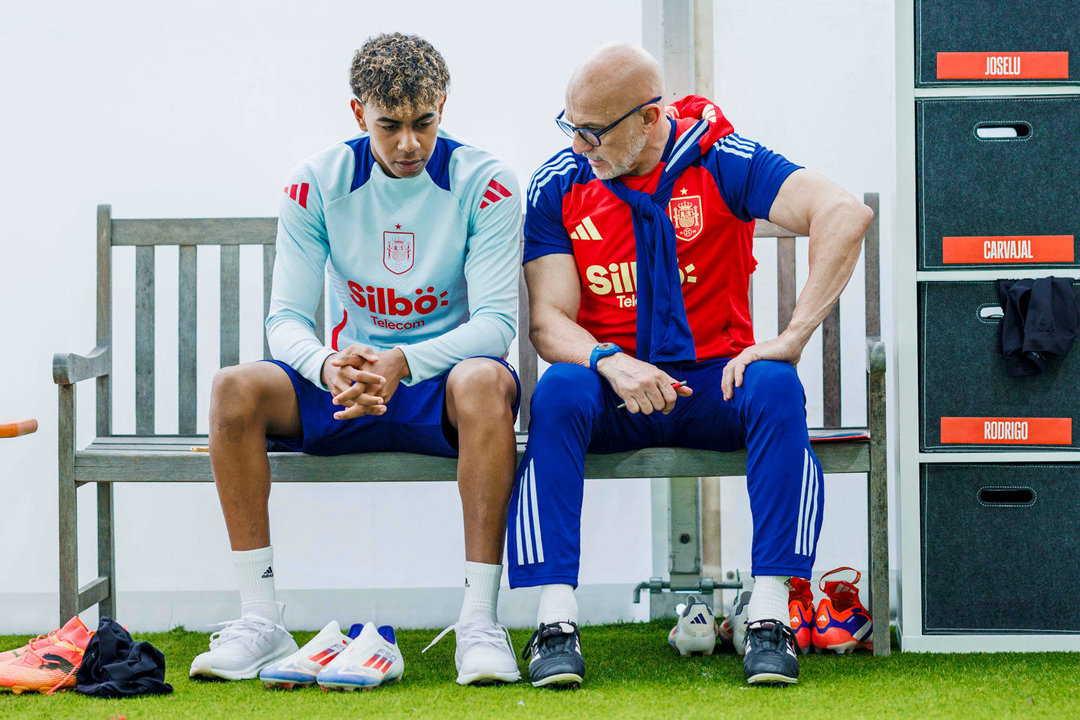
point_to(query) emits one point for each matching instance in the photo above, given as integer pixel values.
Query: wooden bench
(147, 457)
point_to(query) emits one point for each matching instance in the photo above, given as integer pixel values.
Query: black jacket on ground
(116, 666)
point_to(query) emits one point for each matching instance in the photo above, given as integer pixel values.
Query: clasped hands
(362, 380)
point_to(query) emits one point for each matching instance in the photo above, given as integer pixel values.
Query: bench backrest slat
(194, 231)
(872, 268)
(527, 360)
(187, 341)
(104, 316)
(230, 305)
(830, 367)
(144, 340)
(785, 280)
(269, 253)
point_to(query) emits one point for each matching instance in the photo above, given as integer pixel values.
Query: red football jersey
(712, 209)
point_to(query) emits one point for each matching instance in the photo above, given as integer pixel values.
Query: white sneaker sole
(689, 645)
(560, 680)
(249, 673)
(349, 687)
(771, 679)
(489, 677)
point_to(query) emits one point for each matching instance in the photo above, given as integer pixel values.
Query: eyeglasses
(592, 137)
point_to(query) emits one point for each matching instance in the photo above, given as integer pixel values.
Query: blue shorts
(415, 420)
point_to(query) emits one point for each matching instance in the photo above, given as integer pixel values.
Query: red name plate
(1003, 65)
(1006, 431)
(1007, 249)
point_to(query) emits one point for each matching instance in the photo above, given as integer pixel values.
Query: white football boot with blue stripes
(302, 667)
(695, 630)
(369, 661)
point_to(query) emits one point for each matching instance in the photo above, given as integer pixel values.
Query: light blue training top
(428, 264)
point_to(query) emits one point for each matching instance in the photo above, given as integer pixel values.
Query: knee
(481, 386)
(775, 387)
(566, 393)
(233, 395)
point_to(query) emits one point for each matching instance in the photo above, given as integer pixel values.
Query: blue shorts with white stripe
(575, 411)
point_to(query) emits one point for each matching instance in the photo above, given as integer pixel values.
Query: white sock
(769, 600)
(255, 578)
(557, 604)
(481, 591)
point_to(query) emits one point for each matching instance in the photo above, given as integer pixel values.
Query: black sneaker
(554, 655)
(771, 654)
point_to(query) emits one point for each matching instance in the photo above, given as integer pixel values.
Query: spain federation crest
(399, 251)
(685, 214)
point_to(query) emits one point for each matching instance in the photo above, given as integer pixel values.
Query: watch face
(604, 347)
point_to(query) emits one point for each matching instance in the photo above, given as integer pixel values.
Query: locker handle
(1007, 496)
(993, 131)
(991, 312)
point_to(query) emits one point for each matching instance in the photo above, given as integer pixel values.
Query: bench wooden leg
(878, 515)
(106, 548)
(68, 527)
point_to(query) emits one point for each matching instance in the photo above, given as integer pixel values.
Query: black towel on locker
(1041, 318)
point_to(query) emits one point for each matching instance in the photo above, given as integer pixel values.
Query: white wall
(199, 110)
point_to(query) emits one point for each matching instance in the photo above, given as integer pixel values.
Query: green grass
(631, 672)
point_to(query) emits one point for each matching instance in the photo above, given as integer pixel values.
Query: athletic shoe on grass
(47, 664)
(484, 652)
(242, 648)
(695, 630)
(771, 657)
(554, 655)
(842, 624)
(72, 630)
(371, 660)
(801, 609)
(302, 667)
(731, 633)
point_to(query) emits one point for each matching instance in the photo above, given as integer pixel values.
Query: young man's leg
(247, 403)
(481, 395)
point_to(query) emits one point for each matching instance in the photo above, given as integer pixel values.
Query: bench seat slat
(176, 463)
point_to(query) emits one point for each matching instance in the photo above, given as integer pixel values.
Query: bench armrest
(875, 356)
(69, 368)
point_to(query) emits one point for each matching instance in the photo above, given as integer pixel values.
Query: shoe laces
(476, 632)
(247, 630)
(770, 634)
(843, 593)
(550, 639)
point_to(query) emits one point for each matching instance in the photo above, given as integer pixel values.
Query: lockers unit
(988, 466)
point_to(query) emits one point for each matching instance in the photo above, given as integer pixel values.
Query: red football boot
(842, 623)
(801, 609)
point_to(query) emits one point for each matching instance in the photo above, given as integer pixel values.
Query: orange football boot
(842, 623)
(47, 664)
(42, 640)
(801, 609)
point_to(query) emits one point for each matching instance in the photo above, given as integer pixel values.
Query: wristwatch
(602, 350)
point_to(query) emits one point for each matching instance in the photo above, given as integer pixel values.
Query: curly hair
(401, 73)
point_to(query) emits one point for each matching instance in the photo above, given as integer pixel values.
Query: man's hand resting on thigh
(785, 348)
(642, 386)
(362, 380)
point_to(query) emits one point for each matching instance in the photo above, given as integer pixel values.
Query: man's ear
(441, 103)
(653, 114)
(358, 113)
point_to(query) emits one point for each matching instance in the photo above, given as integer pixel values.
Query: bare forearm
(558, 338)
(835, 243)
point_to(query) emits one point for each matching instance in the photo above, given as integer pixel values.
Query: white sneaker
(370, 660)
(695, 630)
(242, 648)
(740, 620)
(484, 652)
(302, 667)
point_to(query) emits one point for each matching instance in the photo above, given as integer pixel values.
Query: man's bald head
(614, 78)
